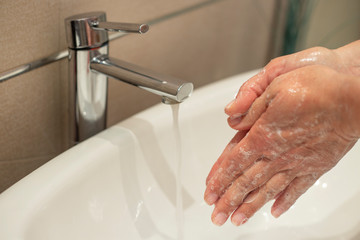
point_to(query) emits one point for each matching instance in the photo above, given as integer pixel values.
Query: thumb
(245, 122)
(255, 86)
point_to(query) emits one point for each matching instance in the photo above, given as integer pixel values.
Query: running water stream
(178, 159)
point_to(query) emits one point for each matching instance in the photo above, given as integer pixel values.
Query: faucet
(90, 66)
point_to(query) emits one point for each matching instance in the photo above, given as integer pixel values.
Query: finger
(256, 110)
(254, 177)
(295, 189)
(259, 198)
(240, 158)
(269, 99)
(255, 86)
(234, 141)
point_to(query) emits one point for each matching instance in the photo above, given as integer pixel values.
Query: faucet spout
(171, 89)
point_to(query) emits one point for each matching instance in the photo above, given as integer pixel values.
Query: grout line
(16, 71)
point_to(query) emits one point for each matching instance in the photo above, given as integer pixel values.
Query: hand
(342, 60)
(290, 136)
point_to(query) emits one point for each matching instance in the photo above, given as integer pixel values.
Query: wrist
(351, 93)
(350, 56)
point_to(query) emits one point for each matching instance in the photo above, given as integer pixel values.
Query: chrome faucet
(90, 66)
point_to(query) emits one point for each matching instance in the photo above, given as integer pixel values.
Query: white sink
(121, 183)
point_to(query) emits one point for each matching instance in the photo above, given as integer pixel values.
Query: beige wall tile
(31, 31)
(332, 24)
(30, 115)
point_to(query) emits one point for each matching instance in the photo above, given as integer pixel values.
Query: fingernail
(211, 198)
(242, 125)
(220, 219)
(239, 219)
(227, 108)
(235, 119)
(277, 212)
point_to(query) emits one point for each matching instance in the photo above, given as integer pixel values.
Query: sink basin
(121, 184)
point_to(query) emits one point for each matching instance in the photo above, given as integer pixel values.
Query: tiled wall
(331, 24)
(334, 23)
(201, 46)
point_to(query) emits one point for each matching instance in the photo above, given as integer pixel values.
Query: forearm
(350, 55)
(351, 93)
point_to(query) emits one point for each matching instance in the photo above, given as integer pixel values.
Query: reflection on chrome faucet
(90, 65)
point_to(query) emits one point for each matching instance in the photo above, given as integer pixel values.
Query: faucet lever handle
(120, 27)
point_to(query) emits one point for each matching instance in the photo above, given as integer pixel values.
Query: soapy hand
(341, 60)
(299, 123)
